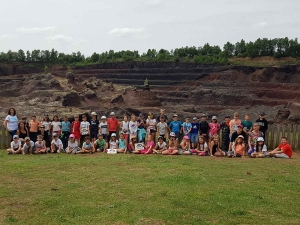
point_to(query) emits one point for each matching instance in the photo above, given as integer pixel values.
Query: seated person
(160, 145)
(72, 145)
(122, 144)
(215, 149)
(56, 144)
(238, 148)
(28, 147)
(149, 147)
(260, 150)
(15, 146)
(87, 146)
(202, 147)
(131, 147)
(186, 146)
(173, 143)
(284, 150)
(40, 145)
(100, 144)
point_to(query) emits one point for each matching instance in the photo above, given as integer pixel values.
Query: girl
(202, 148)
(113, 143)
(149, 147)
(261, 150)
(103, 127)
(131, 146)
(94, 127)
(214, 128)
(160, 146)
(215, 147)
(187, 127)
(22, 132)
(84, 128)
(151, 125)
(72, 145)
(122, 144)
(56, 126)
(75, 127)
(238, 148)
(11, 122)
(124, 125)
(141, 133)
(252, 139)
(45, 135)
(186, 146)
(133, 126)
(47, 123)
(173, 143)
(40, 145)
(65, 131)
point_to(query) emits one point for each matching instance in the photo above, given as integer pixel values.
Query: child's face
(27, 142)
(33, 118)
(214, 121)
(100, 138)
(175, 118)
(283, 141)
(247, 118)
(240, 140)
(133, 118)
(149, 138)
(260, 143)
(160, 140)
(162, 120)
(55, 118)
(201, 141)
(125, 118)
(84, 118)
(103, 120)
(261, 117)
(227, 120)
(16, 140)
(216, 139)
(121, 136)
(76, 118)
(187, 120)
(93, 117)
(203, 118)
(256, 127)
(55, 138)
(40, 139)
(236, 117)
(65, 119)
(87, 141)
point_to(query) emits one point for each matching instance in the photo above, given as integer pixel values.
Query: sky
(100, 25)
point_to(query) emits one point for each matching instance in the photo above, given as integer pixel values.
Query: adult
(112, 124)
(11, 122)
(225, 128)
(22, 132)
(263, 123)
(235, 134)
(162, 114)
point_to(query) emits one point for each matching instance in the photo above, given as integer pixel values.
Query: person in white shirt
(15, 146)
(56, 144)
(84, 128)
(56, 126)
(11, 122)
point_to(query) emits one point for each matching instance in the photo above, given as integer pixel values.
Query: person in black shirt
(235, 134)
(204, 127)
(94, 125)
(141, 127)
(263, 123)
(225, 128)
(162, 114)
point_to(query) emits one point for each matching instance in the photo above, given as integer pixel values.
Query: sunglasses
(42, 127)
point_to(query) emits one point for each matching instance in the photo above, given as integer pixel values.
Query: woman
(11, 122)
(22, 132)
(42, 131)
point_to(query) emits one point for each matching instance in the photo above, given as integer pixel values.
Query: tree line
(278, 47)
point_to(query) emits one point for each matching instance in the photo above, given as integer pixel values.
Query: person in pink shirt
(214, 127)
(149, 147)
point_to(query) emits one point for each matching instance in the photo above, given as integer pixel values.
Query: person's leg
(281, 155)
(218, 154)
(121, 150)
(52, 147)
(175, 152)
(238, 156)
(261, 156)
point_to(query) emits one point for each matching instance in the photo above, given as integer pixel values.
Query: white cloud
(65, 39)
(7, 36)
(128, 32)
(261, 25)
(35, 30)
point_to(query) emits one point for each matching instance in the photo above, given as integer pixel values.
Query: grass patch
(134, 189)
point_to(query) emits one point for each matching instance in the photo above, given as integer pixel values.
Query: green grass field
(147, 189)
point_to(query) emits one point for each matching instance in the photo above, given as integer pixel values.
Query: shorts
(94, 134)
(251, 151)
(194, 138)
(77, 149)
(26, 150)
(193, 151)
(152, 131)
(177, 135)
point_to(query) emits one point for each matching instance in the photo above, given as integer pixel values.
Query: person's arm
(30, 149)
(249, 143)
(108, 126)
(27, 132)
(5, 125)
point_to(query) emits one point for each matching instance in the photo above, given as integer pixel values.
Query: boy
(235, 134)
(247, 124)
(40, 145)
(225, 128)
(175, 126)
(24, 120)
(28, 147)
(234, 123)
(194, 132)
(103, 127)
(33, 128)
(94, 126)
(112, 125)
(87, 146)
(186, 128)
(56, 144)
(15, 146)
(162, 128)
(84, 128)
(100, 144)
(65, 127)
(284, 150)
(263, 123)
(204, 127)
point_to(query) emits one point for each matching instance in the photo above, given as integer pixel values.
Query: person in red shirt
(112, 124)
(284, 150)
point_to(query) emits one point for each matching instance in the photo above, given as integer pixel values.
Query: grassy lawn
(145, 189)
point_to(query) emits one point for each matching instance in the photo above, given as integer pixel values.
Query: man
(112, 124)
(162, 114)
(225, 127)
(263, 123)
(235, 134)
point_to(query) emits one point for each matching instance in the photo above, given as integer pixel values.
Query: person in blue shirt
(186, 128)
(65, 127)
(175, 126)
(194, 132)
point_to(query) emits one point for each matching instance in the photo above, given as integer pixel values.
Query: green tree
(228, 49)
(21, 56)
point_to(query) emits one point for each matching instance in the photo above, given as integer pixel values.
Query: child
(162, 128)
(284, 150)
(204, 127)
(234, 123)
(122, 144)
(238, 148)
(40, 145)
(141, 133)
(56, 126)
(87, 146)
(186, 146)
(160, 145)
(72, 145)
(194, 132)
(28, 147)
(84, 128)
(56, 144)
(149, 147)
(253, 136)
(103, 128)
(263, 123)
(100, 144)
(186, 128)
(202, 148)
(65, 127)
(215, 147)
(131, 146)
(75, 127)
(214, 127)
(124, 125)
(47, 123)
(151, 125)
(15, 146)
(24, 120)
(133, 126)
(247, 124)
(175, 126)
(261, 150)
(94, 124)
(225, 127)
(45, 136)
(173, 143)
(33, 128)
(113, 143)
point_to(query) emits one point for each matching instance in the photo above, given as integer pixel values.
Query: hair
(40, 136)
(257, 145)
(236, 141)
(216, 136)
(83, 116)
(132, 115)
(55, 117)
(227, 117)
(12, 109)
(33, 116)
(236, 114)
(66, 117)
(46, 118)
(284, 138)
(87, 138)
(255, 124)
(247, 115)
(150, 113)
(19, 127)
(203, 138)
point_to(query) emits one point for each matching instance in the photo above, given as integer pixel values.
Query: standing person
(234, 123)
(124, 126)
(151, 125)
(141, 132)
(162, 129)
(263, 124)
(103, 128)
(112, 125)
(15, 146)
(33, 128)
(11, 122)
(214, 127)
(247, 124)
(45, 135)
(24, 120)
(284, 150)
(194, 132)
(22, 132)
(225, 128)
(56, 126)
(175, 126)
(133, 126)
(84, 128)
(187, 128)
(65, 127)
(235, 134)
(204, 127)
(162, 114)
(94, 125)
(253, 136)
(75, 128)
(47, 123)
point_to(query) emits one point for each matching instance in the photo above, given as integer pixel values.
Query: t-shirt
(57, 142)
(162, 128)
(65, 126)
(25, 146)
(195, 128)
(34, 126)
(203, 127)
(40, 145)
(94, 125)
(234, 125)
(84, 126)
(175, 126)
(72, 145)
(150, 144)
(56, 126)
(253, 138)
(287, 149)
(263, 125)
(87, 146)
(239, 148)
(15, 145)
(101, 143)
(247, 125)
(203, 147)
(125, 127)
(214, 128)
(262, 149)
(133, 127)
(142, 125)
(235, 135)
(47, 125)
(161, 146)
(122, 143)
(186, 127)
(103, 127)
(151, 124)
(164, 116)
(112, 124)
(12, 122)
(113, 144)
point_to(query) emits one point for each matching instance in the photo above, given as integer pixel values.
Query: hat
(175, 115)
(94, 114)
(113, 135)
(241, 136)
(27, 139)
(141, 114)
(260, 139)
(240, 126)
(46, 114)
(262, 114)
(112, 114)
(172, 134)
(15, 136)
(203, 115)
(194, 118)
(186, 137)
(133, 137)
(72, 136)
(55, 135)
(103, 117)
(99, 135)
(214, 118)
(160, 137)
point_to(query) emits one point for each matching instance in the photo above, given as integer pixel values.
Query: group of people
(140, 135)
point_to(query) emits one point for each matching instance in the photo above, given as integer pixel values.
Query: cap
(214, 118)
(260, 139)
(99, 135)
(103, 117)
(55, 135)
(194, 118)
(94, 114)
(113, 135)
(112, 114)
(27, 139)
(175, 115)
(240, 126)
(72, 136)
(227, 117)
(172, 134)
(203, 115)
(262, 114)
(241, 136)
(133, 137)
(15, 136)
(46, 114)
(186, 137)
(160, 137)
(141, 114)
